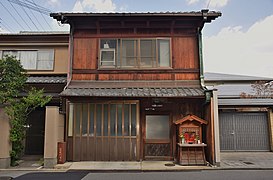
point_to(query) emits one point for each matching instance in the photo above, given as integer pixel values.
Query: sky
(239, 42)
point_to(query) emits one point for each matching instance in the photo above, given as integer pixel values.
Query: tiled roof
(167, 13)
(134, 89)
(47, 79)
(232, 77)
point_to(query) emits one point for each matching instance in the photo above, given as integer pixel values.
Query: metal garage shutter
(243, 131)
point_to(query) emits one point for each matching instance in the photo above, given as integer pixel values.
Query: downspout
(200, 47)
(201, 64)
(71, 52)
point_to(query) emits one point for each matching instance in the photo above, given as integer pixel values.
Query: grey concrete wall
(5, 145)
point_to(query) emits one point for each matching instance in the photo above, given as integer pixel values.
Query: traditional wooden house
(44, 55)
(131, 77)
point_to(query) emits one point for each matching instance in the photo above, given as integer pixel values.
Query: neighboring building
(246, 123)
(45, 57)
(131, 76)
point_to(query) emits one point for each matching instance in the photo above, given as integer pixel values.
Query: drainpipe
(200, 48)
(71, 45)
(201, 58)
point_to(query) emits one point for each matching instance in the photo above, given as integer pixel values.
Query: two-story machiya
(131, 77)
(44, 56)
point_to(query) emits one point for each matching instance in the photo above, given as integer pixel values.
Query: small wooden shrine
(190, 146)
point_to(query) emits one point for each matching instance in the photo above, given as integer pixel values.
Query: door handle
(232, 133)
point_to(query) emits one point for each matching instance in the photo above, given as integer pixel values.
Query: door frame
(155, 141)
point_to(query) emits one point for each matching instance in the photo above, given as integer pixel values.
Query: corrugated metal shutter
(243, 131)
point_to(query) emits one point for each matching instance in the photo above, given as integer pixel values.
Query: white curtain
(45, 59)
(28, 59)
(164, 53)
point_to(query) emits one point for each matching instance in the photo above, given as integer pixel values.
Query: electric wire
(28, 4)
(6, 26)
(29, 17)
(12, 15)
(20, 15)
(42, 15)
(36, 19)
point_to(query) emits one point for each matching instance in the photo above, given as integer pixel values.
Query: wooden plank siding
(85, 53)
(185, 63)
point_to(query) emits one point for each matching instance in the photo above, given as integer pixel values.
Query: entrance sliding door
(105, 131)
(157, 141)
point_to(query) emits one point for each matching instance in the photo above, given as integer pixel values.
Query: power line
(29, 17)
(28, 4)
(12, 15)
(6, 26)
(20, 15)
(36, 18)
(42, 14)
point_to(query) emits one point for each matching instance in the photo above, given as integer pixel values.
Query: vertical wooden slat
(102, 131)
(130, 131)
(81, 154)
(137, 132)
(95, 131)
(122, 124)
(109, 133)
(116, 133)
(74, 133)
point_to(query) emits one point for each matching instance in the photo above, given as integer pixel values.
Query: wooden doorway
(157, 139)
(105, 131)
(35, 132)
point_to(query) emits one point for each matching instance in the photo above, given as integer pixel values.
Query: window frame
(37, 59)
(118, 54)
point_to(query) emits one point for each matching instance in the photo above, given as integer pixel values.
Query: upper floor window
(135, 53)
(33, 59)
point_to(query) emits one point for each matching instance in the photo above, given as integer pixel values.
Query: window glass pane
(108, 52)
(126, 119)
(119, 106)
(98, 119)
(107, 57)
(113, 119)
(105, 121)
(45, 65)
(1, 55)
(129, 52)
(91, 119)
(45, 59)
(28, 59)
(147, 53)
(133, 119)
(108, 43)
(78, 109)
(70, 121)
(164, 53)
(84, 119)
(157, 127)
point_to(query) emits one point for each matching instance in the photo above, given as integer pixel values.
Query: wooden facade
(109, 48)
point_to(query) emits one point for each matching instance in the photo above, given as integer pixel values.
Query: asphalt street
(185, 175)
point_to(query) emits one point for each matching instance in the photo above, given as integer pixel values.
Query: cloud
(78, 7)
(234, 51)
(3, 31)
(192, 1)
(57, 26)
(217, 3)
(54, 2)
(209, 3)
(94, 6)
